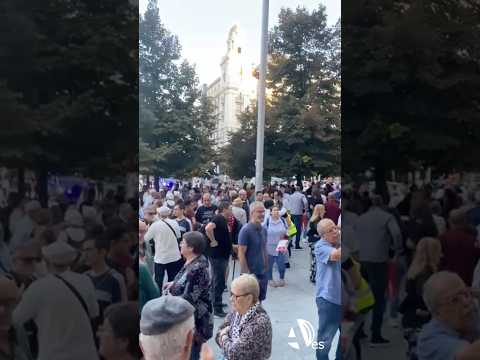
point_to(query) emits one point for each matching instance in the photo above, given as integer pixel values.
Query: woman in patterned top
(193, 283)
(247, 331)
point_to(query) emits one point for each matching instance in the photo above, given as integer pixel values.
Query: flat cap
(164, 211)
(161, 314)
(59, 253)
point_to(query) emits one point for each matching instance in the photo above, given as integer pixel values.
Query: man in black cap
(166, 329)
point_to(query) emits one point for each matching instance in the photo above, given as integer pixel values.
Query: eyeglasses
(237, 296)
(333, 229)
(460, 296)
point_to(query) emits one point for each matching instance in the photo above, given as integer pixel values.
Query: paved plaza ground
(297, 301)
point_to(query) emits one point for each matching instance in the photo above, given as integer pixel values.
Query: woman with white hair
(246, 333)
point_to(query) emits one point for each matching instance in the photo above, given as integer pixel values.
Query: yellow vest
(364, 295)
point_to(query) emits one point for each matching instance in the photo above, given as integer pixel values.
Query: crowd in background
(69, 277)
(419, 256)
(189, 237)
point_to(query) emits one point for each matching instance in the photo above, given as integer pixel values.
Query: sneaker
(281, 283)
(379, 342)
(273, 283)
(220, 313)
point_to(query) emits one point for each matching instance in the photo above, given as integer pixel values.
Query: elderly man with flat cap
(62, 305)
(166, 330)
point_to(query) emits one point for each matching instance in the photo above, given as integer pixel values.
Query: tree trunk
(42, 187)
(21, 181)
(381, 183)
(157, 183)
(299, 181)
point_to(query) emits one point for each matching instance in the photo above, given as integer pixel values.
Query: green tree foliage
(175, 119)
(412, 86)
(302, 125)
(73, 69)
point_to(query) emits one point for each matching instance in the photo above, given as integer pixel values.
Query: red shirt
(460, 255)
(332, 211)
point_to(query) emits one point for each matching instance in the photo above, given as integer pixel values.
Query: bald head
(437, 286)
(324, 226)
(328, 231)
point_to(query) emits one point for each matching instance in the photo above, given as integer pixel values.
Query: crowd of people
(69, 271)
(192, 234)
(68, 277)
(414, 262)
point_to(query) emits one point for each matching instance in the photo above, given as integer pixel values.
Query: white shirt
(240, 214)
(166, 245)
(64, 331)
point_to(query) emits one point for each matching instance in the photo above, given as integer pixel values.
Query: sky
(202, 27)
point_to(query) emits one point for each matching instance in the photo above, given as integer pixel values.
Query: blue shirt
(254, 237)
(437, 341)
(328, 282)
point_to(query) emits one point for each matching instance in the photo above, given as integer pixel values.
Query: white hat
(73, 218)
(59, 253)
(164, 211)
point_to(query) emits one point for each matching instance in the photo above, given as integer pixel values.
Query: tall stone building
(234, 90)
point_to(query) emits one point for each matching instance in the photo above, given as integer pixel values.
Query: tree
(302, 125)
(74, 66)
(411, 86)
(175, 118)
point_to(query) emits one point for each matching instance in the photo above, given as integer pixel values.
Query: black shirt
(205, 214)
(222, 235)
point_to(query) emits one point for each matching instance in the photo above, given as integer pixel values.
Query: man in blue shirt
(453, 332)
(252, 247)
(328, 282)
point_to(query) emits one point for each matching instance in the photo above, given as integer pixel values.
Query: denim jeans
(280, 261)
(219, 266)
(329, 321)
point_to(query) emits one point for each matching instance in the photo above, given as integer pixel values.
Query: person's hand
(206, 353)
(167, 285)
(213, 243)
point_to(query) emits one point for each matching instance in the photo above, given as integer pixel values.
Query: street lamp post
(261, 99)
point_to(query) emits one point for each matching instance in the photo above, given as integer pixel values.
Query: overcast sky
(202, 26)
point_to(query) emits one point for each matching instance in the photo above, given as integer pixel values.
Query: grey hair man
(252, 251)
(166, 328)
(452, 333)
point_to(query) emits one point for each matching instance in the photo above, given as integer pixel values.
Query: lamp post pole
(261, 99)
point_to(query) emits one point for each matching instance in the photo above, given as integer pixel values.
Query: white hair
(169, 345)
(255, 205)
(435, 286)
(322, 224)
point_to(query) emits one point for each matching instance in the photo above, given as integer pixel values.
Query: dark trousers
(171, 268)
(377, 276)
(297, 220)
(219, 266)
